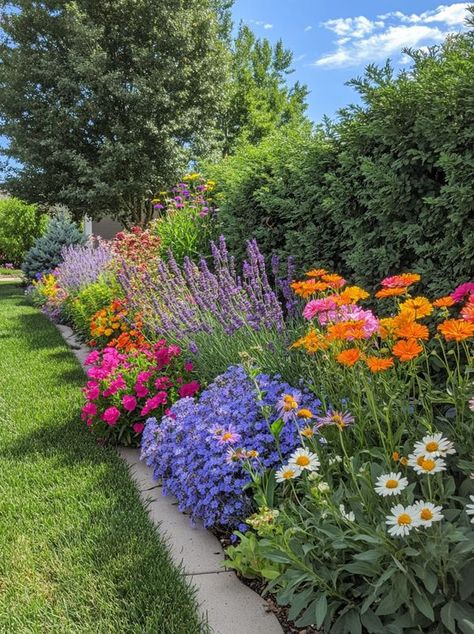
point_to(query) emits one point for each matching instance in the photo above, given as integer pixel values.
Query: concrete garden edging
(229, 606)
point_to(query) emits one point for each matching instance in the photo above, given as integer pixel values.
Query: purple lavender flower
(82, 265)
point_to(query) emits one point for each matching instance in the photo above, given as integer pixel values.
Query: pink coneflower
(462, 291)
(333, 417)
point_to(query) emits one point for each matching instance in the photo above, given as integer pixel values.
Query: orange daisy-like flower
(444, 302)
(391, 292)
(407, 349)
(334, 280)
(316, 273)
(467, 313)
(407, 329)
(387, 327)
(309, 287)
(378, 364)
(350, 295)
(417, 307)
(349, 357)
(312, 342)
(405, 279)
(346, 330)
(456, 329)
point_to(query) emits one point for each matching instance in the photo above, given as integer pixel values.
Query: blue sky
(333, 41)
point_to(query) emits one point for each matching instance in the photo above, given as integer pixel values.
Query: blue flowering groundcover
(190, 449)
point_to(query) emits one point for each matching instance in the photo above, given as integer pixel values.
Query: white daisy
(390, 484)
(421, 464)
(350, 517)
(288, 472)
(401, 520)
(470, 508)
(304, 459)
(433, 446)
(426, 513)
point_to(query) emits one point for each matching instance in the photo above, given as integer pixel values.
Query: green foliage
(257, 97)
(390, 187)
(80, 309)
(101, 101)
(45, 255)
(20, 225)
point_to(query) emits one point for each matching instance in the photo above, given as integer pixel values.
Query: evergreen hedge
(388, 188)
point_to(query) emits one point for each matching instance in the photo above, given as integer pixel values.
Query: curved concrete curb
(230, 606)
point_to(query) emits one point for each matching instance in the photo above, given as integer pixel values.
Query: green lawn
(77, 551)
(11, 272)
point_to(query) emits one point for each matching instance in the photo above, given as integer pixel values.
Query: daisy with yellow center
(433, 446)
(426, 513)
(401, 520)
(288, 472)
(390, 484)
(305, 413)
(304, 460)
(424, 465)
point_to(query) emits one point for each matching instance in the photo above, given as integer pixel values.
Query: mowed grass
(77, 550)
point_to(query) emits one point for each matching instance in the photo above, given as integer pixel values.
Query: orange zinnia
(350, 295)
(377, 364)
(444, 302)
(334, 280)
(346, 330)
(456, 329)
(387, 326)
(316, 273)
(312, 342)
(417, 307)
(349, 357)
(407, 329)
(391, 292)
(407, 349)
(308, 287)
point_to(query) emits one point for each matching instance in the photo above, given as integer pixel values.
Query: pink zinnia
(162, 382)
(317, 306)
(462, 291)
(92, 357)
(141, 390)
(111, 416)
(143, 376)
(92, 390)
(188, 366)
(189, 389)
(89, 409)
(129, 402)
(138, 427)
(154, 402)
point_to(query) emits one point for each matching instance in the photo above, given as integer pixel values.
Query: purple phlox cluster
(194, 450)
(82, 265)
(176, 302)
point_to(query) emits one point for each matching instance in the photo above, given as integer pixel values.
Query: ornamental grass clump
(197, 450)
(125, 388)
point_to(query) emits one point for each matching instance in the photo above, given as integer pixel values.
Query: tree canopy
(102, 101)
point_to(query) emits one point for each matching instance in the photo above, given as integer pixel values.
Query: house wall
(106, 228)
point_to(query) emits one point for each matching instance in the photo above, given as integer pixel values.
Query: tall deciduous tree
(258, 97)
(102, 100)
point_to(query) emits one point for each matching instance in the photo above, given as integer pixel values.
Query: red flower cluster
(136, 246)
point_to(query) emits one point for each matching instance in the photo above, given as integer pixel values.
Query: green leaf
(270, 573)
(371, 622)
(447, 617)
(424, 606)
(321, 609)
(276, 428)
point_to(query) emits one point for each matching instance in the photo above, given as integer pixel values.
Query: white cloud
(300, 57)
(268, 26)
(362, 40)
(307, 28)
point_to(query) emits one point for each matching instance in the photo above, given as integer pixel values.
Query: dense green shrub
(20, 225)
(45, 255)
(389, 187)
(80, 309)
